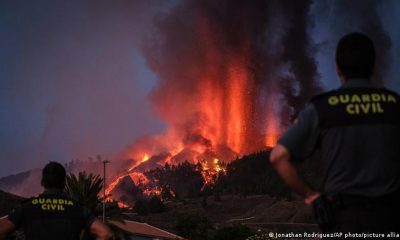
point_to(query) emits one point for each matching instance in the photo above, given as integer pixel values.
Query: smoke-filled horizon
(81, 79)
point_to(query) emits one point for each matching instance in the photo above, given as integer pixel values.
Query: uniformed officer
(357, 130)
(53, 215)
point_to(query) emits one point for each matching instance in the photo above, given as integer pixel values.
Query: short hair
(355, 56)
(53, 176)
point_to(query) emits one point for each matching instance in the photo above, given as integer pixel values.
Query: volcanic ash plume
(226, 73)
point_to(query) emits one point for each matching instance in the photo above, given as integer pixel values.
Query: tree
(177, 181)
(252, 174)
(193, 226)
(146, 206)
(86, 189)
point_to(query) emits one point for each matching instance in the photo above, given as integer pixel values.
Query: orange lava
(113, 184)
(145, 158)
(211, 170)
(122, 205)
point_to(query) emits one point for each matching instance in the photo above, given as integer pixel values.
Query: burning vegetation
(248, 175)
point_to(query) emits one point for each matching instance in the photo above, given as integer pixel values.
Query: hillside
(27, 183)
(258, 212)
(24, 184)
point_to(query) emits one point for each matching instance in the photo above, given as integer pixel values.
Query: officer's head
(355, 56)
(53, 176)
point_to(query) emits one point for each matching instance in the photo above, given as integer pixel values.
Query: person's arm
(100, 230)
(280, 159)
(297, 144)
(6, 226)
(11, 222)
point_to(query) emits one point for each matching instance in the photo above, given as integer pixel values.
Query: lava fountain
(220, 88)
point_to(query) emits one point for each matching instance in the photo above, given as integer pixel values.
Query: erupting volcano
(222, 86)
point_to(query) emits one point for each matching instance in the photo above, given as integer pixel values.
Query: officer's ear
(41, 182)
(340, 74)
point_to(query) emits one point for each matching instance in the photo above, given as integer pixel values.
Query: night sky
(74, 82)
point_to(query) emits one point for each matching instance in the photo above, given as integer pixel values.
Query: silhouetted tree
(193, 226)
(86, 189)
(183, 180)
(148, 206)
(252, 174)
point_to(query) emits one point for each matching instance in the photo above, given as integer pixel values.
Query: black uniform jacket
(51, 215)
(357, 130)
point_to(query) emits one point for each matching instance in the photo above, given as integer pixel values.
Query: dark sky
(74, 83)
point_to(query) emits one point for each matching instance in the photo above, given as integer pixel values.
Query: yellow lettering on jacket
(355, 99)
(356, 104)
(344, 98)
(392, 99)
(52, 204)
(333, 100)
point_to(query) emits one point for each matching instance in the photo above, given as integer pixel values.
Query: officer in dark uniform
(52, 214)
(357, 130)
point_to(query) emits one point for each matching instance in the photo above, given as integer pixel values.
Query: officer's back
(357, 130)
(52, 214)
(359, 137)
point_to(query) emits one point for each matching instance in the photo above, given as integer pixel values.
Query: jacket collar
(357, 83)
(53, 191)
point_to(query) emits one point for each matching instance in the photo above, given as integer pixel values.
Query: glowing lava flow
(138, 178)
(122, 205)
(112, 185)
(145, 158)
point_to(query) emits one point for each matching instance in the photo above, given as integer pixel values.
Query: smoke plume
(231, 73)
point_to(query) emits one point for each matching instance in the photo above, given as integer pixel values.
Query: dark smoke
(275, 34)
(366, 18)
(299, 54)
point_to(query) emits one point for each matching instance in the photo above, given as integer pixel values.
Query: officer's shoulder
(26, 201)
(31, 198)
(323, 95)
(390, 91)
